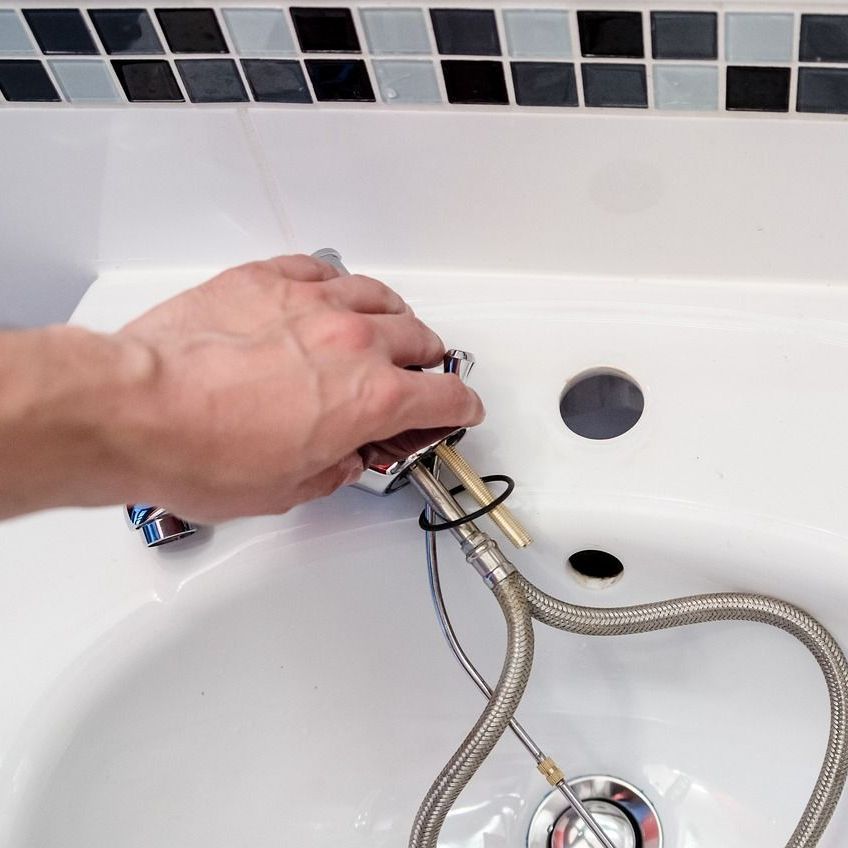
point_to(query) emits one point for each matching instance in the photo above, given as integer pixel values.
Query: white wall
(631, 195)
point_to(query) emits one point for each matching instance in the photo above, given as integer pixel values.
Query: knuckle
(352, 331)
(387, 394)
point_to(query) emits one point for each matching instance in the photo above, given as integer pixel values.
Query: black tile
(26, 80)
(60, 31)
(758, 89)
(684, 35)
(125, 30)
(276, 80)
(474, 82)
(824, 38)
(325, 30)
(615, 85)
(340, 79)
(466, 32)
(544, 83)
(147, 80)
(823, 90)
(617, 34)
(211, 80)
(191, 30)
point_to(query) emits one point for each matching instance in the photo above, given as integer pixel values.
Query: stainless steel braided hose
(492, 723)
(520, 601)
(699, 609)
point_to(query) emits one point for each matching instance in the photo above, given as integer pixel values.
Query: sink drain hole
(601, 404)
(596, 569)
(623, 812)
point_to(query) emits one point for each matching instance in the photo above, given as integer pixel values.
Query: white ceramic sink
(282, 681)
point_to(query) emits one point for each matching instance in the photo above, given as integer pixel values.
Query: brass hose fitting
(468, 477)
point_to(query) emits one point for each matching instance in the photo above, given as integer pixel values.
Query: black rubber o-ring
(473, 516)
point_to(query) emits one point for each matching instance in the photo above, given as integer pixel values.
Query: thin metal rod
(456, 648)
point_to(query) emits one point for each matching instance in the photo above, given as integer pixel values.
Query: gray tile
(276, 80)
(824, 38)
(823, 90)
(259, 32)
(614, 85)
(211, 80)
(692, 88)
(407, 81)
(537, 33)
(85, 81)
(13, 36)
(401, 31)
(126, 31)
(754, 37)
(544, 83)
(684, 35)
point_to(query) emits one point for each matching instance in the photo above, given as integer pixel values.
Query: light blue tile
(85, 81)
(537, 33)
(395, 31)
(259, 32)
(407, 81)
(13, 36)
(692, 88)
(754, 37)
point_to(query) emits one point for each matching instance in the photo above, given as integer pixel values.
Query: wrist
(68, 417)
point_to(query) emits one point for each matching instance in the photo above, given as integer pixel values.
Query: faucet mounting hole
(601, 404)
(596, 569)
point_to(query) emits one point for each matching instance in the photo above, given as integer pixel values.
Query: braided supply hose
(492, 723)
(700, 609)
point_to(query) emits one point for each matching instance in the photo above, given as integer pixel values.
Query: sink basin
(282, 681)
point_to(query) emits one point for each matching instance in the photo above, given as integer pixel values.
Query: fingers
(417, 400)
(326, 482)
(407, 340)
(301, 267)
(402, 445)
(366, 295)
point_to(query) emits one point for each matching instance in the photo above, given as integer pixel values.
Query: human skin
(267, 386)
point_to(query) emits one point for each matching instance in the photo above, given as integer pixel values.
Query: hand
(275, 382)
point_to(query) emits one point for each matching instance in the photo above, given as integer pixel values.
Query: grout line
(437, 58)
(647, 49)
(793, 73)
(500, 29)
(232, 55)
(365, 54)
(721, 106)
(578, 57)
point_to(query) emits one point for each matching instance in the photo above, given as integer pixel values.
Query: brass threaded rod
(509, 525)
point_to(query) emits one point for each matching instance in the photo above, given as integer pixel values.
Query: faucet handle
(385, 479)
(157, 525)
(458, 362)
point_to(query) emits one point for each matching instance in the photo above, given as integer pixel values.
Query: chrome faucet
(159, 527)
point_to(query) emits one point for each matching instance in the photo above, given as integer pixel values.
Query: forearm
(65, 395)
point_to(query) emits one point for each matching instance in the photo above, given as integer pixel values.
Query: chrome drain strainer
(626, 816)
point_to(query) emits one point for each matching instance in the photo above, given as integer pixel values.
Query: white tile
(538, 33)
(259, 32)
(753, 37)
(407, 81)
(85, 80)
(13, 36)
(398, 31)
(692, 88)
(128, 186)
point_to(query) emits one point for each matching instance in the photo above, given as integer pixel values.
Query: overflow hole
(601, 404)
(596, 569)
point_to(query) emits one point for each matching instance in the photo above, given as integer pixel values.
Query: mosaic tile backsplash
(668, 61)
